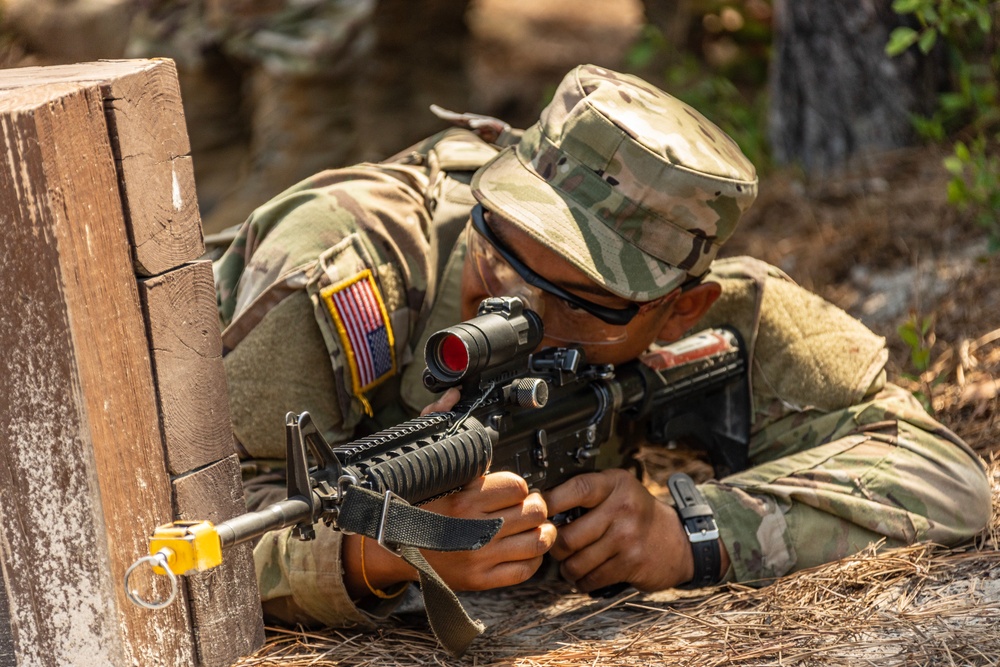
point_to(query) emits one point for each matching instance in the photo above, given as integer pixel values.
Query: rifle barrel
(273, 517)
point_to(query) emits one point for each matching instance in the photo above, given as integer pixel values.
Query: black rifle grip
(609, 591)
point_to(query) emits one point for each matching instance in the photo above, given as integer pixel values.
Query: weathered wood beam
(150, 142)
(112, 394)
(83, 479)
(186, 348)
(225, 603)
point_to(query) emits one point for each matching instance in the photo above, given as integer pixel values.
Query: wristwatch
(699, 524)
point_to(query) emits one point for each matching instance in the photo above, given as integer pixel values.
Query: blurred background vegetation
(796, 83)
(874, 124)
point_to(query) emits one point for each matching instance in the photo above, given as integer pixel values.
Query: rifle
(546, 416)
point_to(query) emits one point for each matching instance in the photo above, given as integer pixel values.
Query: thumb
(444, 403)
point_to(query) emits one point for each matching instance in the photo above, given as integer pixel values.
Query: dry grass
(919, 605)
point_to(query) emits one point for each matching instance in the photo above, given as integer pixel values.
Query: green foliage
(965, 29)
(644, 50)
(723, 72)
(975, 184)
(918, 335)
(947, 18)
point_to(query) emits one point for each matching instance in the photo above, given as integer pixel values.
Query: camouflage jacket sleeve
(298, 265)
(840, 458)
(343, 247)
(322, 296)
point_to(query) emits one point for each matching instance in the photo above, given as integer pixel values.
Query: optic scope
(502, 331)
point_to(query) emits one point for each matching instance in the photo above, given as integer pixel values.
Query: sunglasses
(616, 316)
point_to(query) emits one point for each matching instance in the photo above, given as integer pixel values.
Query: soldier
(621, 196)
(290, 66)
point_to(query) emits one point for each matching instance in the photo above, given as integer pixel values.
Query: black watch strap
(702, 531)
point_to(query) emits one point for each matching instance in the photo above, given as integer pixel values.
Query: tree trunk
(834, 91)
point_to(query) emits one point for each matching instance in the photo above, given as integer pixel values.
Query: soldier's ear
(687, 308)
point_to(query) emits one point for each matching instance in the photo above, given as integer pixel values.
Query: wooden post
(151, 148)
(7, 657)
(96, 187)
(186, 347)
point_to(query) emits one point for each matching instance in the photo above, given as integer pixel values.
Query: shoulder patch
(358, 312)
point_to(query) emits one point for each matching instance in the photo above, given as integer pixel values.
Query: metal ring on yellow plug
(158, 559)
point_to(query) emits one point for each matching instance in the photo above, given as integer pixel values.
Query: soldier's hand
(511, 557)
(444, 403)
(625, 535)
(515, 553)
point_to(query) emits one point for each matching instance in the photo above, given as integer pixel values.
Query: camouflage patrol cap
(632, 186)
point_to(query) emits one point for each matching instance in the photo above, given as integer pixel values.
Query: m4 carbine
(546, 416)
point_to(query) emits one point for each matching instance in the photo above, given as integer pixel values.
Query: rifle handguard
(419, 473)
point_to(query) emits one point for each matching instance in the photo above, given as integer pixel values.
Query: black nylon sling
(399, 526)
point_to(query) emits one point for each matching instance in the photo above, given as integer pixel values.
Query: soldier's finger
(503, 574)
(608, 573)
(524, 545)
(526, 516)
(579, 535)
(482, 497)
(503, 489)
(512, 572)
(587, 490)
(591, 567)
(444, 403)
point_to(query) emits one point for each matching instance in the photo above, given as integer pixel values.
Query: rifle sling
(408, 529)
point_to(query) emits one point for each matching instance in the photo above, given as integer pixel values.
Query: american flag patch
(359, 314)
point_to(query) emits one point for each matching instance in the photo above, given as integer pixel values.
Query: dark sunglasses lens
(618, 316)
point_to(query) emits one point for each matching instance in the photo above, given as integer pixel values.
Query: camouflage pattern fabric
(840, 458)
(333, 227)
(304, 38)
(879, 470)
(400, 222)
(637, 189)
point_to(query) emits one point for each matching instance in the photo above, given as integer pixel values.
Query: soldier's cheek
(473, 292)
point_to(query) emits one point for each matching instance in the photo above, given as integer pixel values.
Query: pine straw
(919, 605)
(969, 399)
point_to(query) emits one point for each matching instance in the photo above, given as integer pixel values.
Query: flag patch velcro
(359, 314)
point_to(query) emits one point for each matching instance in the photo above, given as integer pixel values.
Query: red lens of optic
(453, 354)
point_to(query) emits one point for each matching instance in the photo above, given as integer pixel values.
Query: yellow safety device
(189, 546)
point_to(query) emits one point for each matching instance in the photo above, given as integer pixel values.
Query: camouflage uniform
(302, 38)
(840, 458)
(290, 66)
